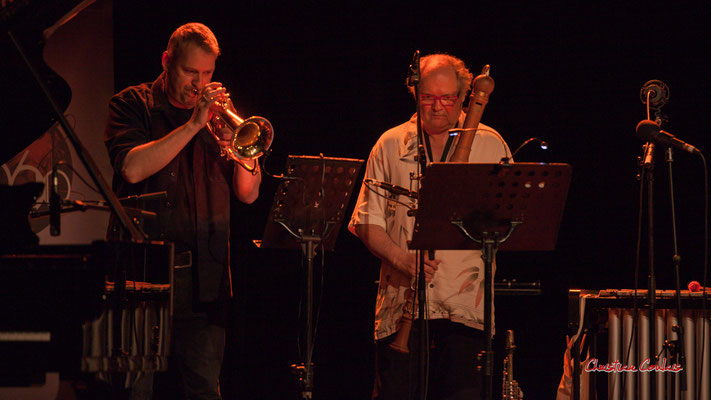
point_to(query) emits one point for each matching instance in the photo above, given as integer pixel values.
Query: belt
(183, 260)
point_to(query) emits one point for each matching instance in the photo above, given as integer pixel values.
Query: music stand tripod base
(307, 212)
(510, 206)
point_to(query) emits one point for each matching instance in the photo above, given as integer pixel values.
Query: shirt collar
(408, 146)
(160, 96)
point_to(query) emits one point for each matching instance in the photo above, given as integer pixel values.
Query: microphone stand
(55, 203)
(677, 350)
(414, 81)
(651, 281)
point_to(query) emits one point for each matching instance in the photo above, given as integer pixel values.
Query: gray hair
(435, 61)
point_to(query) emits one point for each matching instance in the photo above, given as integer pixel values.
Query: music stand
(498, 206)
(308, 209)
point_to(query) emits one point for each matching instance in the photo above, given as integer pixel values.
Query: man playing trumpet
(157, 141)
(455, 279)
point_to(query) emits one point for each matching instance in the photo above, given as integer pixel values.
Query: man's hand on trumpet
(224, 133)
(209, 95)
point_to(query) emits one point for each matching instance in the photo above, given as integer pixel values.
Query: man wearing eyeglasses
(455, 279)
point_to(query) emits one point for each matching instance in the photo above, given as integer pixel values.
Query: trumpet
(251, 137)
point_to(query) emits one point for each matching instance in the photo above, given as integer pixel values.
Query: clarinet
(400, 343)
(510, 389)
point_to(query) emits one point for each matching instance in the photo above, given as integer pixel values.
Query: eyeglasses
(445, 101)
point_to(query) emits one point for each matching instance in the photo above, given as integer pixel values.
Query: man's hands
(147, 159)
(382, 246)
(224, 133)
(407, 263)
(202, 112)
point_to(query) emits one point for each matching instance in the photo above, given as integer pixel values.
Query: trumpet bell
(252, 138)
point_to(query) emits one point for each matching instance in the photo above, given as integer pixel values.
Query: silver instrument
(510, 389)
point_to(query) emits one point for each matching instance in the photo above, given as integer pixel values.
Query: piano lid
(38, 15)
(26, 115)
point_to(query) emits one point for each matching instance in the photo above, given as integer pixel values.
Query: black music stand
(308, 210)
(498, 206)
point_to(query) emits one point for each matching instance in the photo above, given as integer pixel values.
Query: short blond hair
(193, 32)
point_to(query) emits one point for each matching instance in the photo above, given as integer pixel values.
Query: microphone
(148, 196)
(394, 189)
(658, 93)
(55, 205)
(413, 78)
(542, 143)
(650, 131)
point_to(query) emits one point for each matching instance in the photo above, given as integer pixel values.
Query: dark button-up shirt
(196, 213)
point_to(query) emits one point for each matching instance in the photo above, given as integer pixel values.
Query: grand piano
(79, 310)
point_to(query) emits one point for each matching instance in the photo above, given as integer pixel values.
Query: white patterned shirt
(457, 289)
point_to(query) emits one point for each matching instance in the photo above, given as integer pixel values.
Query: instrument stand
(489, 242)
(511, 207)
(651, 279)
(413, 80)
(677, 351)
(307, 212)
(304, 370)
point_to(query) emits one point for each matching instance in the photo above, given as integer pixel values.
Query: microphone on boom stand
(394, 189)
(650, 131)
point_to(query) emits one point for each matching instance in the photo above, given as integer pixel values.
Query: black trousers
(452, 367)
(197, 348)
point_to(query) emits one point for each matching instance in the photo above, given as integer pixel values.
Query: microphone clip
(645, 161)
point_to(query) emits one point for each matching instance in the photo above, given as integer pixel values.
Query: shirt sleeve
(126, 127)
(370, 207)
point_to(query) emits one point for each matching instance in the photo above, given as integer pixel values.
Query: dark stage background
(330, 77)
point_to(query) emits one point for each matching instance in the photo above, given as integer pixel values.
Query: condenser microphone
(394, 189)
(656, 91)
(649, 131)
(55, 205)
